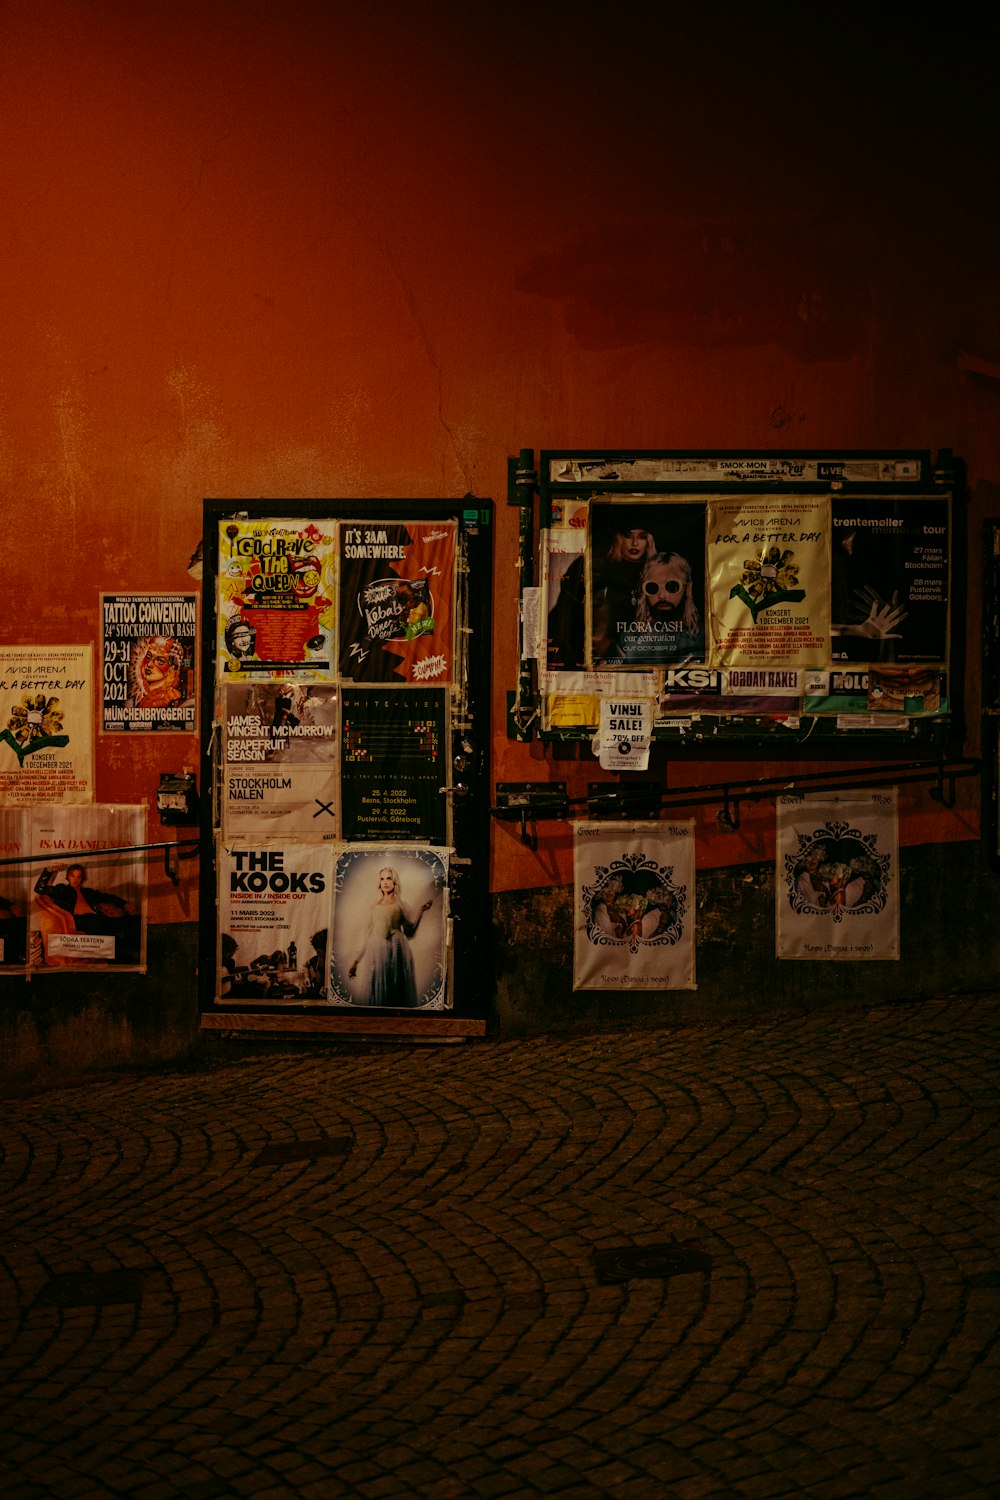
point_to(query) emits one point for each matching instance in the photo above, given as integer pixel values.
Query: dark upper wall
(306, 249)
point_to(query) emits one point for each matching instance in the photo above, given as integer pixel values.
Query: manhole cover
(280, 1153)
(631, 1262)
(93, 1288)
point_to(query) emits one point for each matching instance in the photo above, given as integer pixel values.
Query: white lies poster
(837, 877)
(634, 900)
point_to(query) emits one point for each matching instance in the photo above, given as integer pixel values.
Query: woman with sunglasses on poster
(615, 571)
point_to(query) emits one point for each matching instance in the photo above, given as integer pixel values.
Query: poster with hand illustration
(634, 904)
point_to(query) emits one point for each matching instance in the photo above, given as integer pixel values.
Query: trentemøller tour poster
(280, 750)
(88, 893)
(837, 877)
(276, 609)
(148, 663)
(634, 905)
(389, 928)
(890, 562)
(46, 725)
(397, 601)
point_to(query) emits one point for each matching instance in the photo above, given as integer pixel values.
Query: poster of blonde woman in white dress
(389, 926)
(837, 879)
(634, 902)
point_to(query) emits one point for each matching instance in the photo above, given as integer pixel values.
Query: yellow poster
(276, 593)
(769, 581)
(46, 725)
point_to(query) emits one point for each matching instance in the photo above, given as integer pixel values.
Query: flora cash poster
(88, 891)
(397, 601)
(275, 607)
(634, 900)
(769, 582)
(46, 725)
(837, 879)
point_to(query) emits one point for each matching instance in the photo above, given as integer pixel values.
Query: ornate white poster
(837, 877)
(88, 892)
(634, 903)
(46, 725)
(389, 928)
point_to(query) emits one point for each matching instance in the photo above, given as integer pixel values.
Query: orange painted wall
(304, 249)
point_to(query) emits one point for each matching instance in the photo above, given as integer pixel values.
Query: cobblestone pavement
(376, 1272)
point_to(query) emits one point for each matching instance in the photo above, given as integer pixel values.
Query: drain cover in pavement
(280, 1153)
(93, 1288)
(628, 1262)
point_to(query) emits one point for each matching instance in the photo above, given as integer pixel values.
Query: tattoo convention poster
(279, 759)
(394, 765)
(148, 663)
(645, 582)
(15, 888)
(634, 905)
(837, 877)
(890, 570)
(87, 897)
(46, 725)
(275, 902)
(389, 927)
(769, 580)
(397, 601)
(276, 611)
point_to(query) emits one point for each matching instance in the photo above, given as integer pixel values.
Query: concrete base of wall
(60, 1028)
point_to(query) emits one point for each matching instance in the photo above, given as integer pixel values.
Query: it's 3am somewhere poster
(396, 601)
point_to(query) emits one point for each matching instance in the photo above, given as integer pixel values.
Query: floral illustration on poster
(274, 916)
(634, 906)
(276, 612)
(645, 582)
(837, 886)
(397, 601)
(88, 892)
(389, 928)
(148, 663)
(15, 888)
(279, 759)
(46, 725)
(769, 581)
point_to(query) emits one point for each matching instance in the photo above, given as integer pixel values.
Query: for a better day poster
(88, 892)
(397, 601)
(148, 663)
(837, 878)
(276, 590)
(46, 725)
(769, 582)
(634, 901)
